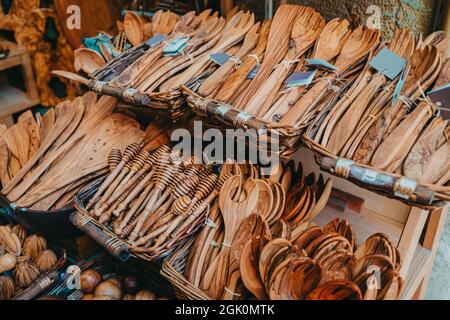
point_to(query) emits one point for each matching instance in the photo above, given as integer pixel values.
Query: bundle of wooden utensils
(395, 131)
(23, 259)
(307, 262)
(250, 203)
(46, 160)
(154, 200)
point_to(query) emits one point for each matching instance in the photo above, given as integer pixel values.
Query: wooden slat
(431, 240)
(410, 237)
(417, 270)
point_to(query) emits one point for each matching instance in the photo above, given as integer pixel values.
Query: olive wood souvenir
(421, 70)
(276, 49)
(327, 47)
(233, 33)
(233, 212)
(87, 60)
(232, 84)
(305, 31)
(66, 114)
(395, 148)
(215, 81)
(402, 45)
(356, 47)
(438, 166)
(253, 225)
(336, 290)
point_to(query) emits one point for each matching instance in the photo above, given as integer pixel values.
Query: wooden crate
(415, 231)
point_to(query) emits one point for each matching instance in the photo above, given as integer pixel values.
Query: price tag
(441, 97)
(176, 46)
(252, 75)
(320, 64)
(219, 58)
(155, 40)
(298, 79)
(388, 63)
(400, 84)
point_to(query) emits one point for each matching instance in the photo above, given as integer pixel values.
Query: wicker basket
(288, 139)
(117, 247)
(51, 224)
(168, 104)
(105, 264)
(173, 270)
(384, 183)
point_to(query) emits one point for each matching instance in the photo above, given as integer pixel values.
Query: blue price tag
(388, 63)
(298, 79)
(219, 58)
(254, 72)
(155, 40)
(320, 64)
(400, 85)
(176, 46)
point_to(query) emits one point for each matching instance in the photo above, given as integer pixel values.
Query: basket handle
(115, 246)
(398, 187)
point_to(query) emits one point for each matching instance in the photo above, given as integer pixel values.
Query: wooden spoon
(88, 60)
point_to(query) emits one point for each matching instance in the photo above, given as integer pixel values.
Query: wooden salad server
(134, 28)
(357, 46)
(277, 47)
(202, 249)
(327, 47)
(422, 62)
(402, 45)
(141, 65)
(102, 139)
(87, 60)
(420, 155)
(439, 165)
(30, 125)
(215, 81)
(235, 80)
(66, 113)
(252, 226)
(233, 213)
(233, 33)
(204, 39)
(305, 31)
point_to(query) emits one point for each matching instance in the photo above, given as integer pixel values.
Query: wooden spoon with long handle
(357, 46)
(327, 47)
(233, 213)
(216, 80)
(305, 31)
(233, 33)
(402, 45)
(235, 80)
